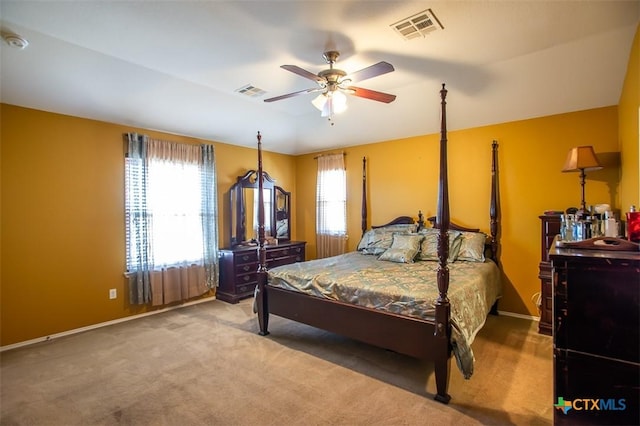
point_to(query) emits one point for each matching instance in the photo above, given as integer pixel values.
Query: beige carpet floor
(206, 365)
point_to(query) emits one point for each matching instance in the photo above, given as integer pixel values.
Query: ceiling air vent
(418, 25)
(251, 91)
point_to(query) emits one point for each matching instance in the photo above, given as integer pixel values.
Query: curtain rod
(330, 153)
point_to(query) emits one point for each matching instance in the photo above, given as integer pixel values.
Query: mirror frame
(285, 212)
(238, 211)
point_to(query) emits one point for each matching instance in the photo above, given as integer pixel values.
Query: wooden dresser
(239, 265)
(550, 227)
(596, 336)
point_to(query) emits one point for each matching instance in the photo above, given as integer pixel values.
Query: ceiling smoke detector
(15, 40)
(418, 25)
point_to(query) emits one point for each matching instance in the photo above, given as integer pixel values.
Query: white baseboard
(171, 308)
(513, 314)
(102, 324)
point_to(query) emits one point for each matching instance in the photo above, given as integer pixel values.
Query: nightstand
(550, 227)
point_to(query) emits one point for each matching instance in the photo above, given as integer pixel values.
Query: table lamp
(581, 159)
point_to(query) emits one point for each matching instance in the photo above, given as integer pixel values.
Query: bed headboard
(403, 220)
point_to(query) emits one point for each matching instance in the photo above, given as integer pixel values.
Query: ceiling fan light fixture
(327, 110)
(330, 103)
(339, 102)
(335, 84)
(319, 101)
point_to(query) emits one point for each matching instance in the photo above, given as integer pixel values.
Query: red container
(633, 226)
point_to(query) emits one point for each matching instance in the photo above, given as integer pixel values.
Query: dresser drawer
(279, 262)
(246, 278)
(283, 252)
(239, 267)
(245, 290)
(597, 309)
(245, 268)
(246, 257)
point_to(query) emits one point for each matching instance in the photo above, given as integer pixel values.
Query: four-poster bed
(431, 336)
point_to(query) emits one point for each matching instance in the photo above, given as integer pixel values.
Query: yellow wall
(62, 202)
(63, 218)
(629, 115)
(403, 177)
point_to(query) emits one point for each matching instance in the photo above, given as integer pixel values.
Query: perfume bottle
(610, 224)
(567, 227)
(633, 225)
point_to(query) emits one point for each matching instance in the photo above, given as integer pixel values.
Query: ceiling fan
(333, 83)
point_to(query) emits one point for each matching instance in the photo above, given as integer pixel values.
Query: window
(170, 213)
(332, 202)
(331, 206)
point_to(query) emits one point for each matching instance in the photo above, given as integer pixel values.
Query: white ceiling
(174, 66)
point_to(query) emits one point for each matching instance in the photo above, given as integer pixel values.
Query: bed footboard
(408, 336)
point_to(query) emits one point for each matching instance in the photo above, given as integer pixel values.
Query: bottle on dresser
(610, 225)
(633, 225)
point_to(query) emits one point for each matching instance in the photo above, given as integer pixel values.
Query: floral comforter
(408, 289)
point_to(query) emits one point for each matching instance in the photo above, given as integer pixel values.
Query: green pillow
(429, 247)
(376, 241)
(404, 248)
(472, 246)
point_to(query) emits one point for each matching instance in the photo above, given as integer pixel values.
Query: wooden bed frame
(423, 339)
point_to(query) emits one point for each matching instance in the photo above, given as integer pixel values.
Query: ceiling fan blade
(371, 71)
(371, 94)
(290, 95)
(303, 73)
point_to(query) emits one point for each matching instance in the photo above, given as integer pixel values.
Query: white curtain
(331, 206)
(171, 220)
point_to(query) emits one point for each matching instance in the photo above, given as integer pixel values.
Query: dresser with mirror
(239, 261)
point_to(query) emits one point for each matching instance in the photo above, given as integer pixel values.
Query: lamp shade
(581, 158)
(329, 103)
(319, 101)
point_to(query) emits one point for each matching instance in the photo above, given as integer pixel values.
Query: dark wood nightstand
(549, 229)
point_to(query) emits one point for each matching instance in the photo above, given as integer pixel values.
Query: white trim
(513, 314)
(171, 308)
(101, 324)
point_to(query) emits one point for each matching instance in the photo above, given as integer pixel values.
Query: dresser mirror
(282, 213)
(243, 203)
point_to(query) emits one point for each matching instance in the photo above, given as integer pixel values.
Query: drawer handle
(246, 267)
(558, 325)
(246, 278)
(245, 257)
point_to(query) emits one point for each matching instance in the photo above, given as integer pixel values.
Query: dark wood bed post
(494, 210)
(364, 195)
(443, 308)
(261, 293)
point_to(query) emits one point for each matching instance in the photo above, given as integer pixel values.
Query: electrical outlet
(113, 293)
